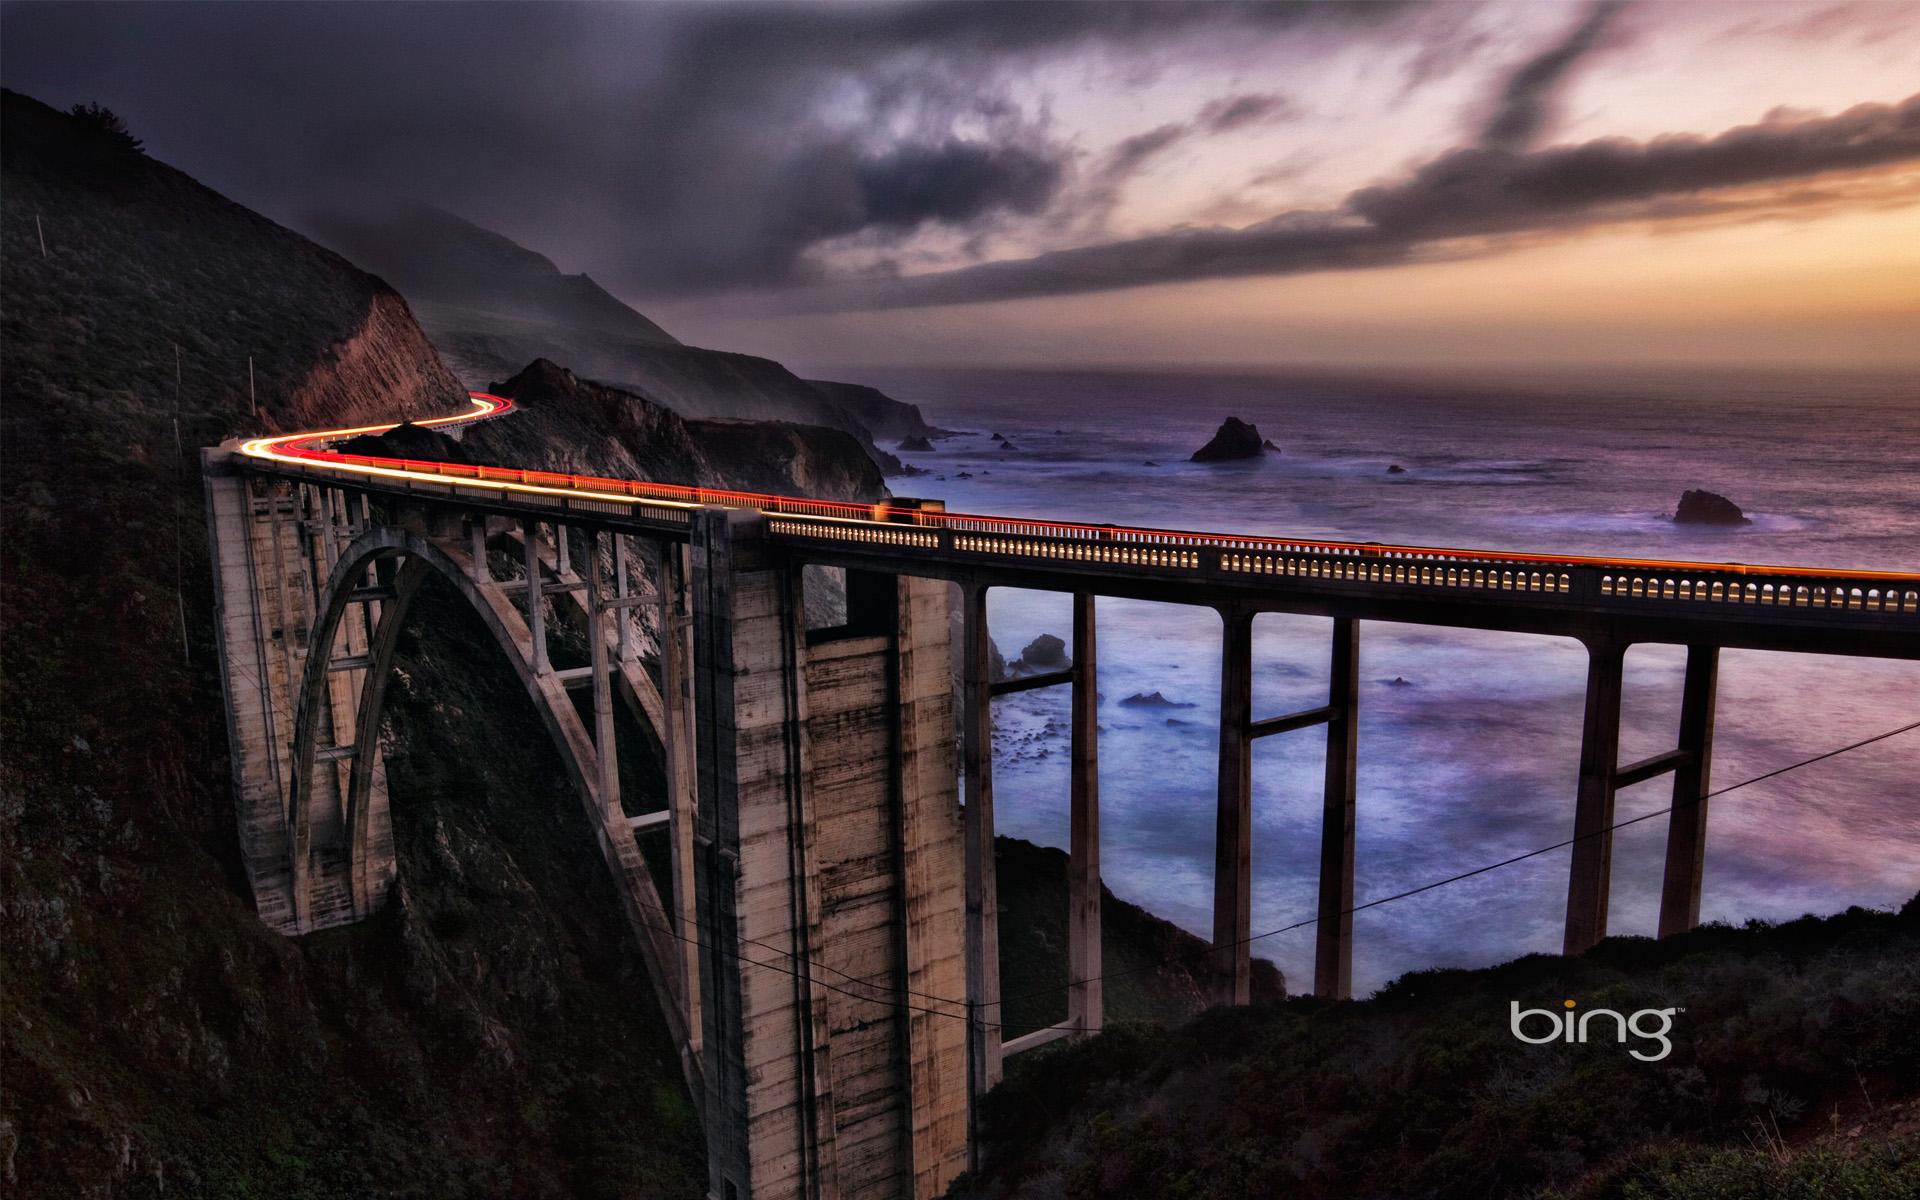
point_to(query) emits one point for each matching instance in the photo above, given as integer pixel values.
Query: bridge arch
(402, 560)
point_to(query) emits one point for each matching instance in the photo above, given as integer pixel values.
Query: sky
(1205, 183)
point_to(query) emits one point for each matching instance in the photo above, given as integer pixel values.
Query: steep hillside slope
(1159, 970)
(492, 1034)
(565, 423)
(1780, 1035)
(432, 254)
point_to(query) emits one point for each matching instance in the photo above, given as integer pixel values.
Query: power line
(1211, 948)
(1507, 862)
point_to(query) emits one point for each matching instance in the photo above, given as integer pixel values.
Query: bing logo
(1650, 1024)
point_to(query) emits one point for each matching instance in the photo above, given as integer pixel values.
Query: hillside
(564, 422)
(1794, 1071)
(491, 306)
(492, 1034)
(432, 254)
(885, 418)
(1159, 970)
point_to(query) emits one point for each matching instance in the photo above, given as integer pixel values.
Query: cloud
(673, 149)
(1475, 192)
(1525, 104)
(1234, 112)
(954, 182)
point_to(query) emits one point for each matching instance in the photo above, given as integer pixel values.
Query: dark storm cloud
(671, 149)
(1526, 102)
(1474, 192)
(954, 182)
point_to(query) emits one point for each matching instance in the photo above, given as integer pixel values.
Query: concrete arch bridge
(824, 938)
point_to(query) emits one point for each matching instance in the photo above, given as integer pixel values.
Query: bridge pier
(1601, 777)
(1233, 824)
(1333, 931)
(1084, 1005)
(1687, 824)
(829, 881)
(1589, 877)
(983, 917)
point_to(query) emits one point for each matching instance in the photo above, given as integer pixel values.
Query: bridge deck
(1818, 610)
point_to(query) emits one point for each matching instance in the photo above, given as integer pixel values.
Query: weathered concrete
(830, 855)
(1687, 824)
(1085, 1011)
(273, 545)
(983, 918)
(1591, 873)
(1333, 931)
(1233, 825)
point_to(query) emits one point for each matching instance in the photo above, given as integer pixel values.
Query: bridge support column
(536, 607)
(1591, 872)
(1084, 1008)
(829, 882)
(1233, 826)
(1687, 823)
(1333, 946)
(983, 918)
(675, 589)
(273, 545)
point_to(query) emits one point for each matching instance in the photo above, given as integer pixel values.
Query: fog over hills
(491, 306)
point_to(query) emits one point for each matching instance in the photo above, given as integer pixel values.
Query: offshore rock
(1700, 507)
(1044, 651)
(1235, 439)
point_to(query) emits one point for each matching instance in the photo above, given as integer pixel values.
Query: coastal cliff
(565, 423)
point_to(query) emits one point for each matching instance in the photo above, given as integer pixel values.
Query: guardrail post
(1233, 826)
(1591, 872)
(1687, 823)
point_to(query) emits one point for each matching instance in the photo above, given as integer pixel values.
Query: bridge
(819, 923)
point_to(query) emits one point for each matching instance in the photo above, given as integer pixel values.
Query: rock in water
(1154, 700)
(1700, 507)
(1396, 469)
(1045, 651)
(916, 445)
(1235, 439)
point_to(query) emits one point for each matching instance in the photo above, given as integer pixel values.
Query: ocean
(1469, 741)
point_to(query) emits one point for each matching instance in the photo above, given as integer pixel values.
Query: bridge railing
(1311, 563)
(911, 527)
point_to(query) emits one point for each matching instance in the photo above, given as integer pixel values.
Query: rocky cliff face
(882, 415)
(565, 423)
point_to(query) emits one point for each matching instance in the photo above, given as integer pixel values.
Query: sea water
(1469, 741)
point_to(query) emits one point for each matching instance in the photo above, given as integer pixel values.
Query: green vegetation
(1422, 1091)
